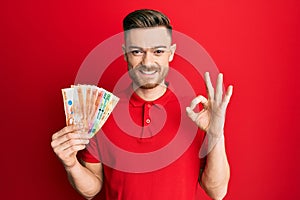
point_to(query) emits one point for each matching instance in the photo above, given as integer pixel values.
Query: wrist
(72, 166)
(213, 140)
(215, 135)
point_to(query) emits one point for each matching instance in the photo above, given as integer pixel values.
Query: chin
(149, 86)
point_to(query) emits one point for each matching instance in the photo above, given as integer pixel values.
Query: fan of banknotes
(88, 105)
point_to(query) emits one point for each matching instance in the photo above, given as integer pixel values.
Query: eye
(137, 52)
(159, 52)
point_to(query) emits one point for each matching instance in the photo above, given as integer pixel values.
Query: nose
(148, 59)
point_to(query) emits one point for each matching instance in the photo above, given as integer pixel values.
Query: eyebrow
(136, 47)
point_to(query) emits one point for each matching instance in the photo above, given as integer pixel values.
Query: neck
(150, 94)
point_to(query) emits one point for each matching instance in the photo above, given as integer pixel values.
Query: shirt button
(149, 105)
(148, 121)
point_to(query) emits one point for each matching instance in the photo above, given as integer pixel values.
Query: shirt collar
(137, 101)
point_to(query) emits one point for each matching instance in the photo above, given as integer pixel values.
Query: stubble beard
(147, 83)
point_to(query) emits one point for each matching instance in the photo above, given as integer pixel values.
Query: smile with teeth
(148, 72)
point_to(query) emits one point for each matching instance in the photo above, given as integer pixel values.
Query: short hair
(146, 18)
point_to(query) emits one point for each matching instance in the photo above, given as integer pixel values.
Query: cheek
(164, 62)
(133, 62)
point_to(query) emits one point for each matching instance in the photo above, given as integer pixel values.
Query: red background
(254, 43)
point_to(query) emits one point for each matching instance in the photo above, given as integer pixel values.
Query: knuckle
(68, 129)
(74, 148)
(68, 136)
(53, 144)
(72, 142)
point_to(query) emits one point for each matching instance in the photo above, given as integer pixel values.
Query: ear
(172, 48)
(124, 52)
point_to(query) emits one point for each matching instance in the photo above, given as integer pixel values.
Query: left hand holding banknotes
(212, 117)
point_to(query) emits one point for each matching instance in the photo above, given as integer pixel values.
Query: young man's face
(148, 52)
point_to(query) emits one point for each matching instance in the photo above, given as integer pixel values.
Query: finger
(67, 153)
(70, 136)
(199, 99)
(67, 139)
(219, 89)
(73, 149)
(191, 114)
(67, 129)
(227, 96)
(209, 87)
(70, 143)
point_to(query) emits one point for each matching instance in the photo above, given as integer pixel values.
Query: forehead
(148, 37)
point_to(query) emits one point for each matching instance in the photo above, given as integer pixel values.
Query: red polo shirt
(149, 150)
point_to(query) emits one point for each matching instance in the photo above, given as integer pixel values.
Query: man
(148, 49)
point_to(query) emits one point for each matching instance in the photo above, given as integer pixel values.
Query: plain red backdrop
(254, 43)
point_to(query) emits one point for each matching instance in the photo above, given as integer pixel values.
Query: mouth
(146, 72)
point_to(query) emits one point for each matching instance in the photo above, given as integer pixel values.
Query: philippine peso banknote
(88, 105)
